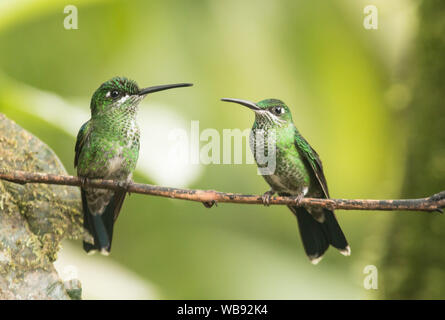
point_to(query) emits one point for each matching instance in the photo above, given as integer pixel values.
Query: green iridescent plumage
(107, 147)
(298, 171)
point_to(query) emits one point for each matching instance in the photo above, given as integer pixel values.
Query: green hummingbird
(107, 147)
(298, 171)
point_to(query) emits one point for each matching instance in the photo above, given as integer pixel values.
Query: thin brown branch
(433, 203)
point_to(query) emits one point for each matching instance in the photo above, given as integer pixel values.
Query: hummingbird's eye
(277, 110)
(114, 94)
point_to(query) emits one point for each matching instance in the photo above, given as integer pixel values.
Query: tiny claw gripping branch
(84, 182)
(266, 197)
(125, 185)
(298, 199)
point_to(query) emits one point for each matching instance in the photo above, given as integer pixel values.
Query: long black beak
(148, 90)
(246, 103)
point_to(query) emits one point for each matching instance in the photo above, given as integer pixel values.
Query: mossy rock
(34, 218)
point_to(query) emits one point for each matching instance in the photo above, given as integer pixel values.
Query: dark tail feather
(100, 226)
(336, 237)
(313, 235)
(316, 236)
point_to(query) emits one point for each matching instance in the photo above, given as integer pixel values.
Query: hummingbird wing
(119, 197)
(312, 158)
(317, 234)
(100, 226)
(82, 136)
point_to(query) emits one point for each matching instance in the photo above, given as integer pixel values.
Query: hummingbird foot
(84, 181)
(266, 197)
(125, 185)
(209, 204)
(298, 199)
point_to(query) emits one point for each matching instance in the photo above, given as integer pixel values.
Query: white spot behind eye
(108, 94)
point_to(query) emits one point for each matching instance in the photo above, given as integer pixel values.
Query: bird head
(272, 112)
(120, 93)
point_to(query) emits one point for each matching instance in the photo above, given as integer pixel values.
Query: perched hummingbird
(298, 172)
(107, 147)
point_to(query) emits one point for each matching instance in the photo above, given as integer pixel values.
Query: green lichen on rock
(34, 218)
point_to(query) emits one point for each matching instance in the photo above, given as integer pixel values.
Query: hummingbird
(298, 172)
(107, 147)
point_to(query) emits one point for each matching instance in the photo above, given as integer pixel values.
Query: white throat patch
(122, 100)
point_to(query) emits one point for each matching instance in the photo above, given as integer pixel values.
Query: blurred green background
(369, 101)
